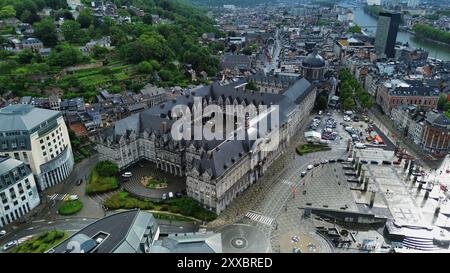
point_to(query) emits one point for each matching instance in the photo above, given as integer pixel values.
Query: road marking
(260, 218)
(39, 221)
(288, 182)
(23, 239)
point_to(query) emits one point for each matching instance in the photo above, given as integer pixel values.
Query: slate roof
(125, 230)
(222, 153)
(23, 117)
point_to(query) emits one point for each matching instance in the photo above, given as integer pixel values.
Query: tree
(65, 55)
(25, 56)
(45, 30)
(71, 31)
(355, 29)
(106, 168)
(123, 12)
(147, 19)
(447, 106)
(251, 86)
(348, 103)
(7, 11)
(85, 18)
(322, 103)
(247, 51)
(145, 67)
(443, 98)
(99, 52)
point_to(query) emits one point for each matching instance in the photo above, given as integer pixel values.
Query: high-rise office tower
(386, 34)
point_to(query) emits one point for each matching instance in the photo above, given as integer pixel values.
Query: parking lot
(360, 129)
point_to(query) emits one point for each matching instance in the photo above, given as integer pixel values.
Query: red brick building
(436, 133)
(396, 92)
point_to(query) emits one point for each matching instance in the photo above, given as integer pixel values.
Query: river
(435, 50)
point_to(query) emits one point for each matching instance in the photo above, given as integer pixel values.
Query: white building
(18, 191)
(374, 2)
(39, 138)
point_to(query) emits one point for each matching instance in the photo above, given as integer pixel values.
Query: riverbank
(436, 49)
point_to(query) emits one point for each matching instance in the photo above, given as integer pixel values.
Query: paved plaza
(146, 168)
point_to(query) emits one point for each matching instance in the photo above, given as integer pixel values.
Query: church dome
(313, 60)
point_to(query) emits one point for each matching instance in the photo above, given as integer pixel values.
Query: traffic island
(311, 148)
(70, 207)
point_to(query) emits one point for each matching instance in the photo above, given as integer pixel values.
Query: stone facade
(216, 171)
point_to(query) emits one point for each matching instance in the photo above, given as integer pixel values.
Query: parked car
(9, 245)
(2, 233)
(303, 174)
(310, 167)
(170, 194)
(332, 161)
(316, 164)
(178, 194)
(374, 162)
(360, 145)
(79, 181)
(364, 161)
(164, 196)
(387, 162)
(127, 175)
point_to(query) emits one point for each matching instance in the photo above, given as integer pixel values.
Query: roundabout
(242, 238)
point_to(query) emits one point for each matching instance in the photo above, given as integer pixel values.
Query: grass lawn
(154, 183)
(311, 148)
(42, 242)
(171, 217)
(98, 184)
(185, 205)
(70, 207)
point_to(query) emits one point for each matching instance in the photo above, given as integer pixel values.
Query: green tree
(322, 103)
(251, 86)
(72, 31)
(355, 29)
(443, 98)
(99, 52)
(145, 67)
(85, 18)
(45, 30)
(123, 12)
(7, 11)
(25, 56)
(106, 168)
(65, 55)
(348, 103)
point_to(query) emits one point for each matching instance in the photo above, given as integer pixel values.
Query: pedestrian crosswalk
(288, 182)
(259, 218)
(58, 196)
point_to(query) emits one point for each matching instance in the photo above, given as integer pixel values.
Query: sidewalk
(395, 135)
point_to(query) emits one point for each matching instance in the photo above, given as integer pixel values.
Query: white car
(9, 245)
(310, 167)
(170, 194)
(127, 175)
(360, 145)
(2, 233)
